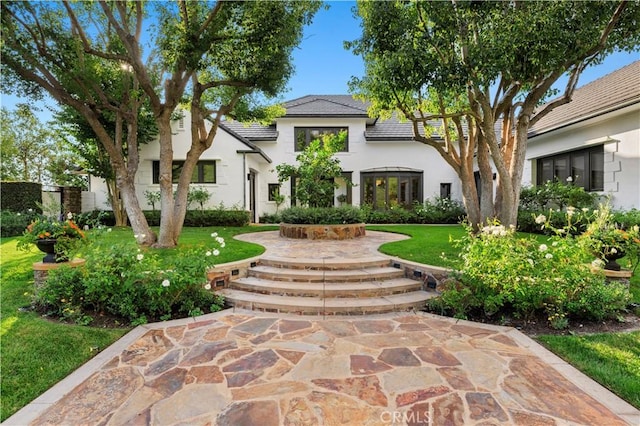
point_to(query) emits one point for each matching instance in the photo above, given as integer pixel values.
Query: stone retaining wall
(322, 232)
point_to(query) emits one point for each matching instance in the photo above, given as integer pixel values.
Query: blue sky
(323, 66)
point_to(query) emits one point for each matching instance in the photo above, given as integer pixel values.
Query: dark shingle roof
(252, 131)
(326, 106)
(608, 93)
(389, 130)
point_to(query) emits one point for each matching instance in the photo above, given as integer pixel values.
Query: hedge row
(14, 224)
(20, 196)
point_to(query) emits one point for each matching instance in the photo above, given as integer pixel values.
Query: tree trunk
(182, 192)
(137, 219)
(167, 236)
(115, 199)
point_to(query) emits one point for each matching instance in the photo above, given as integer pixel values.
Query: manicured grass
(194, 237)
(427, 245)
(612, 359)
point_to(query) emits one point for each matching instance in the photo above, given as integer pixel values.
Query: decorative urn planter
(611, 258)
(48, 246)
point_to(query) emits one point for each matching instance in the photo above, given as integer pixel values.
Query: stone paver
(247, 368)
(338, 371)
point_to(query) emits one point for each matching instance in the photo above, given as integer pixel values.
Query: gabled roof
(608, 93)
(326, 106)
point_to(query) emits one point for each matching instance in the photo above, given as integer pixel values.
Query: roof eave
(577, 120)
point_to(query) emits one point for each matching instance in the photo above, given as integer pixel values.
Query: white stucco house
(595, 139)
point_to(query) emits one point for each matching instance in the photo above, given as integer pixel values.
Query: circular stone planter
(322, 232)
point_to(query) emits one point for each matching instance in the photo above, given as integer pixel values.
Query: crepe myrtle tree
(316, 172)
(211, 55)
(471, 78)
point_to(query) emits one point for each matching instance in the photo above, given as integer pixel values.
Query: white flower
(18, 214)
(166, 283)
(541, 219)
(86, 227)
(135, 236)
(69, 215)
(30, 210)
(548, 256)
(531, 262)
(207, 286)
(569, 179)
(613, 250)
(543, 247)
(220, 240)
(571, 211)
(140, 256)
(222, 245)
(208, 253)
(216, 252)
(555, 244)
(214, 234)
(108, 229)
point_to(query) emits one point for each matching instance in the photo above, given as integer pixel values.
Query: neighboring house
(595, 139)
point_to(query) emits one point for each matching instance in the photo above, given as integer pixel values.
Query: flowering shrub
(501, 273)
(130, 283)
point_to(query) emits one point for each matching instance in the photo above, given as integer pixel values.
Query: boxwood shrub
(322, 215)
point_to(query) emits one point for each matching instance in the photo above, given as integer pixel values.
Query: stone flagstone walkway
(242, 368)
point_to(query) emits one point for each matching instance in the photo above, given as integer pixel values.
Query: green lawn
(37, 353)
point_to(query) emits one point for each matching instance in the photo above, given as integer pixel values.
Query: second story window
(304, 136)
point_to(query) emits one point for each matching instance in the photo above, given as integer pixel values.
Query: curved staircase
(326, 287)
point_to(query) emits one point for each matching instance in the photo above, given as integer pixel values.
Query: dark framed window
(274, 191)
(305, 135)
(445, 190)
(204, 172)
(383, 190)
(585, 167)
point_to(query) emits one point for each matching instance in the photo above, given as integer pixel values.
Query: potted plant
(610, 242)
(53, 237)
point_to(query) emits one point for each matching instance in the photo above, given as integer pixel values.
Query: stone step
(325, 264)
(326, 306)
(318, 276)
(327, 289)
